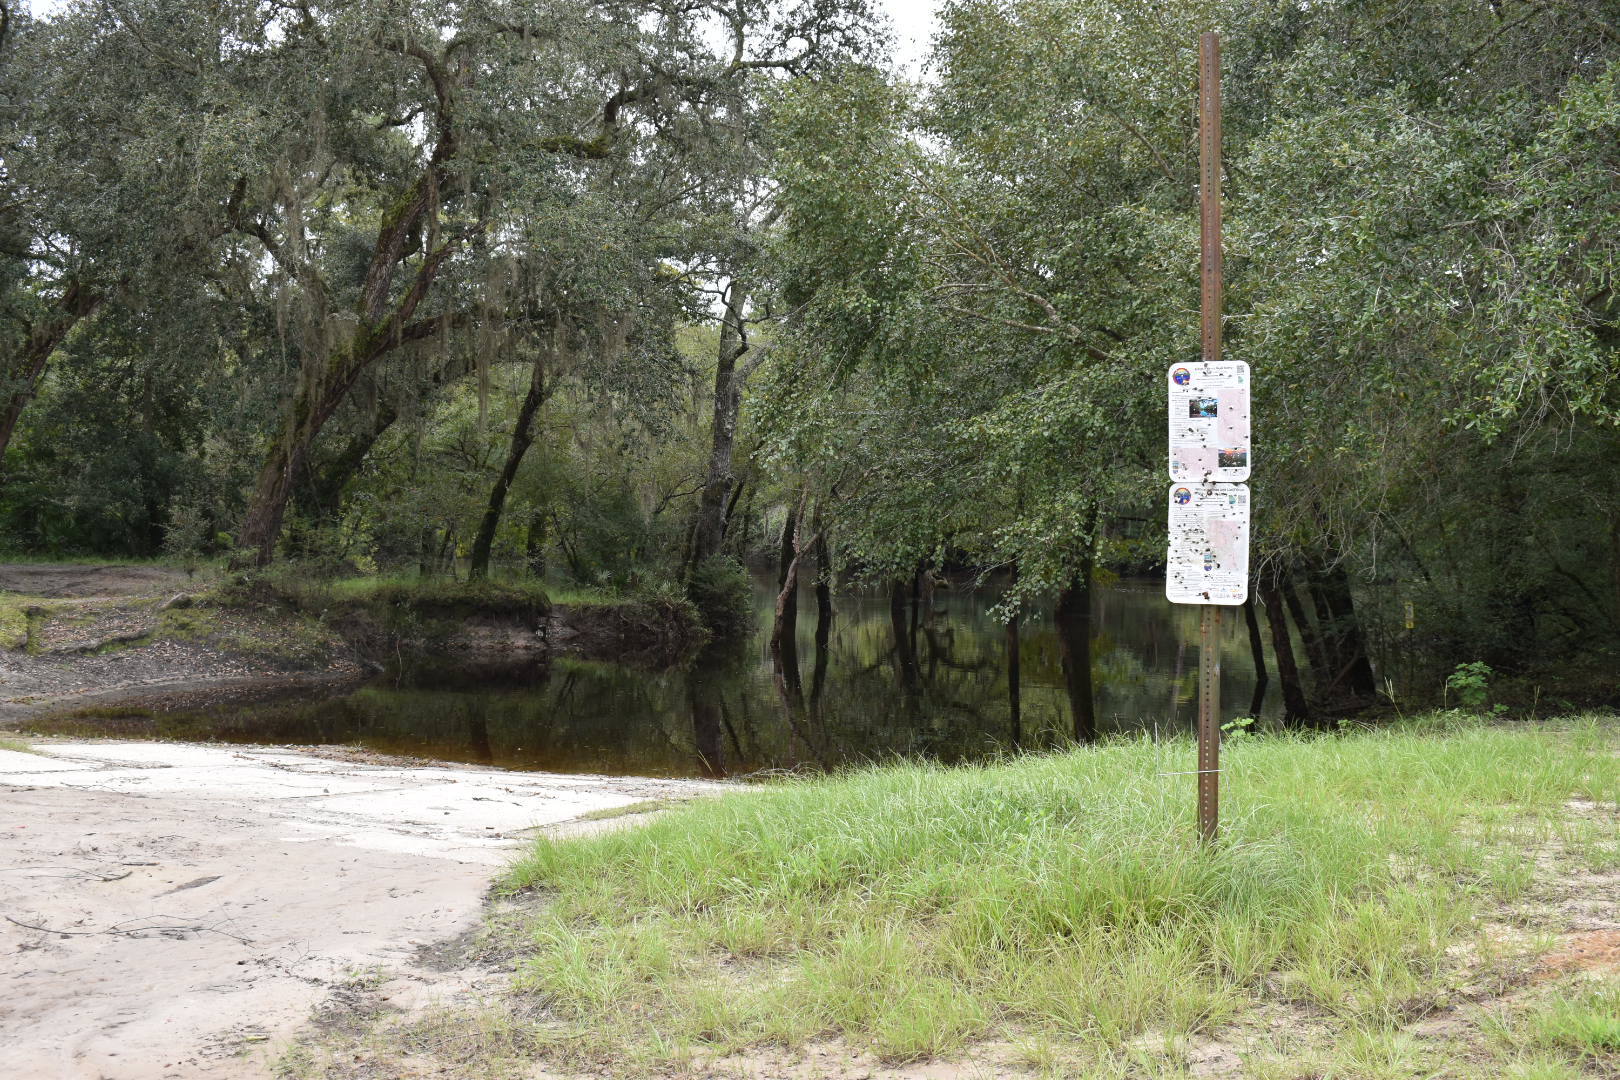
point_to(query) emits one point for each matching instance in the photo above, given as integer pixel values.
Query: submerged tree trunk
(824, 608)
(522, 439)
(23, 372)
(1257, 649)
(1073, 619)
(905, 656)
(1296, 708)
(1315, 650)
(785, 628)
(711, 517)
(1349, 678)
(704, 698)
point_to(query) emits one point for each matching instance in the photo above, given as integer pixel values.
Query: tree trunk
(740, 535)
(24, 371)
(1073, 619)
(904, 652)
(534, 544)
(1350, 680)
(704, 698)
(1296, 709)
(256, 539)
(1315, 650)
(522, 439)
(785, 627)
(711, 520)
(1257, 649)
(323, 494)
(731, 510)
(824, 608)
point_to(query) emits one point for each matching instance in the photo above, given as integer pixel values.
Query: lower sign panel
(1208, 562)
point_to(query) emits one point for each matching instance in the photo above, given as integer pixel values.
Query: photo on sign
(1202, 408)
(1232, 459)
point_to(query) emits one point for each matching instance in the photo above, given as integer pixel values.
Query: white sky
(914, 26)
(913, 23)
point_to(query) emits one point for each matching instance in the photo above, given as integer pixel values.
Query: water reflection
(890, 673)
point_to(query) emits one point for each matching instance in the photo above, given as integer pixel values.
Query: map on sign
(1208, 561)
(1209, 421)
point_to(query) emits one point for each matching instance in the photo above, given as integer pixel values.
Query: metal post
(1209, 187)
(1209, 722)
(1209, 198)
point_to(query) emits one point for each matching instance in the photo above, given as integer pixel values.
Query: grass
(914, 910)
(1581, 1019)
(1059, 905)
(14, 619)
(405, 585)
(408, 590)
(645, 806)
(16, 746)
(176, 562)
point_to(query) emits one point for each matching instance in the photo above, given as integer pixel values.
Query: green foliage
(724, 596)
(1471, 683)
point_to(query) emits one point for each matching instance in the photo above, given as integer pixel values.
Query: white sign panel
(1209, 544)
(1209, 422)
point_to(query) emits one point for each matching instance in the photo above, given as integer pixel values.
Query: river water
(725, 714)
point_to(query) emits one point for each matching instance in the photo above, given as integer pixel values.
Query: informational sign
(1209, 422)
(1208, 562)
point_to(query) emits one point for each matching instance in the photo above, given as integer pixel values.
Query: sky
(913, 23)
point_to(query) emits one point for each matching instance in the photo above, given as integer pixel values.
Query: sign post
(1209, 207)
(1208, 559)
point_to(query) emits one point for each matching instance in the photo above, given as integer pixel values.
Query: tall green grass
(914, 909)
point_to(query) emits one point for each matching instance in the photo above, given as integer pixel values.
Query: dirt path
(174, 911)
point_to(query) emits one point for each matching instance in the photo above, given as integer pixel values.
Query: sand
(187, 906)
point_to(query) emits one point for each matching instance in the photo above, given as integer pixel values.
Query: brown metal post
(1209, 187)
(1209, 199)
(1209, 722)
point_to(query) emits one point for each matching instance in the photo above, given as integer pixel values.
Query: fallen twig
(121, 928)
(71, 870)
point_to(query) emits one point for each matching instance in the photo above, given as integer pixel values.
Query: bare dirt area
(175, 911)
(73, 635)
(79, 581)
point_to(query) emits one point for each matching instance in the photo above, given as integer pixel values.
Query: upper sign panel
(1209, 422)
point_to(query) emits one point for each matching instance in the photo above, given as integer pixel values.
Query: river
(724, 714)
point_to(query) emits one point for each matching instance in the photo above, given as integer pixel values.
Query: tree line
(631, 290)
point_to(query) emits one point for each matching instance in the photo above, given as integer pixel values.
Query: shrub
(720, 589)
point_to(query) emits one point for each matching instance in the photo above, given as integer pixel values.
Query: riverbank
(98, 635)
(177, 911)
(1441, 899)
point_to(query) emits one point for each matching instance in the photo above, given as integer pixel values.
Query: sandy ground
(175, 911)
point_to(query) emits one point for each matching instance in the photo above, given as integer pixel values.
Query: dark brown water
(724, 714)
